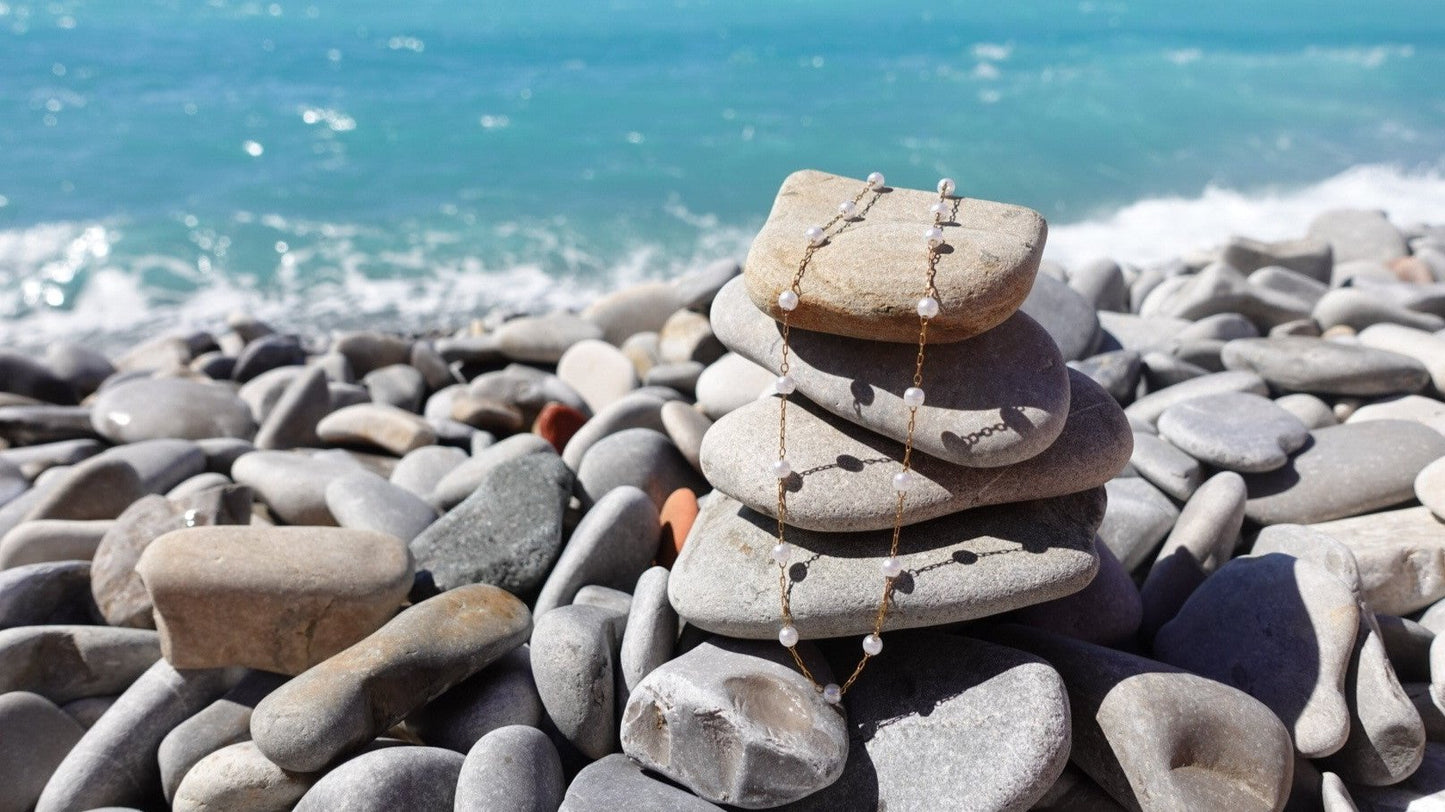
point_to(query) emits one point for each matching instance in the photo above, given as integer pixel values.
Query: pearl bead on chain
(913, 398)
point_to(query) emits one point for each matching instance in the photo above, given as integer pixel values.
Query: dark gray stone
(55, 592)
(501, 694)
(1117, 371)
(25, 376)
(611, 546)
(62, 663)
(507, 533)
(37, 737)
(1138, 517)
(267, 353)
(28, 425)
(1068, 317)
(617, 782)
(1303, 364)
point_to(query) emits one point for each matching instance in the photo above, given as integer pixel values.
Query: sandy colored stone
(865, 281)
(395, 430)
(278, 599)
(1400, 555)
(240, 777)
(996, 399)
(354, 696)
(973, 564)
(842, 473)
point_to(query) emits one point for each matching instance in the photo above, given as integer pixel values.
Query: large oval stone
(842, 473)
(351, 698)
(150, 408)
(858, 283)
(995, 399)
(972, 564)
(1305, 364)
(277, 599)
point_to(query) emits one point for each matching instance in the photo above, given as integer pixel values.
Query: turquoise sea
(412, 165)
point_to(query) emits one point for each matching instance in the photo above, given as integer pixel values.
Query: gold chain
(927, 308)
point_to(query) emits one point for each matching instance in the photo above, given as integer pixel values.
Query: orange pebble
(556, 424)
(678, 514)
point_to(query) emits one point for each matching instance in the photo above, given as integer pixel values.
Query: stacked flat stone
(1011, 448)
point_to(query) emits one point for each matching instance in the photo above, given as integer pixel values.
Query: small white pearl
(784, 385)
(788, 636)
(832, 694)
(875, 180)
(940, 210)
(872, 644)
(903, 481)
(815, 235)
(934, 235)
(891, 567)
(781, 469)
(847, 208)
(928, 307)
(788, 300)
(913, 397)
(945, 187)
(782, 551)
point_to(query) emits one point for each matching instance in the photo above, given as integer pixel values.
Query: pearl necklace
(784, 385)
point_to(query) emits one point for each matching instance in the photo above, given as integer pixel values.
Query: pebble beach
(1175, 540)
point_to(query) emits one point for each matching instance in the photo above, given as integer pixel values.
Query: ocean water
(412, 165)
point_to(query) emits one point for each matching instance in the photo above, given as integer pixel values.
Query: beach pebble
(1358, 309)
(487, 414)
(365, 501)
(962, 697)
(1322, 367)
(1102, 284)
(220, 724)
(1219, 288)
(650, 635)
(1347, 470)
(101, 487)
(697, 289)
(598, 371)
(1358, 234)
(1107, 611)
(1422, 791)
(604, 596)
(151, 408)
(267, 353)
(1004, 397)
(527, 388)
(1149, 733)
(1426, 347)
(240, 777)
(367, 350)
(641, 458)
(278, 599)
(83, 367)
(394, 430)
(1067, 317)
(1429, 488)
(199, 484)
(618, 782)
(1280, 629)
(677, 516)
(990, 267)
(1400, 555)
(685, 426)
(1160, 370)
(681, 376)
(836, 484)
(1117, 371)
(1236, 431)
(418, 779)
(1139, 516)
(1426, 411)
(1310, 410)
(736, 723)
(514, 768)
(1202, 539)
(543, 339)
(464, 479)
(117, 587)
(114, 763)
(730, 382)
(420, 470)
(688, 336)
(611, 546)
(636, 410)
(1165, 466)
(507, 533)
(56, 592)
(32, 460)
(501, 694)
(1387, 735)
(292, 421)
(399, 385)
(293, 484)
(1311, 257)
(635, 309)
(574, 660)
(30, 424)
(557, 423)
(29, 378)
(354, 696)
(972, 564)
(37, 736)
(62, 663)
(1148, 408)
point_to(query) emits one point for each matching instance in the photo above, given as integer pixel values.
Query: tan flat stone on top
(867, 278)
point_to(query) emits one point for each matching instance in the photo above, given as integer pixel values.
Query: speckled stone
(513, 768)
(240, 777)
(851, 287)
(650, 636)
(352, 697)
(418, 779)
(973, 564)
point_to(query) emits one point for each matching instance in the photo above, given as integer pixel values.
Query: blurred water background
(411, 165)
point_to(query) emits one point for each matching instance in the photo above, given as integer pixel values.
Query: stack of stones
(484, 570)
